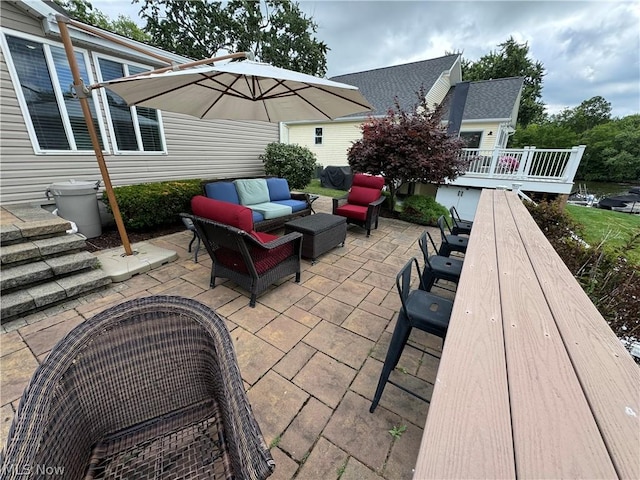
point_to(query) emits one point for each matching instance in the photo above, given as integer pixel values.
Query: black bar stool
(459, 226)
(420, 309)
(450, 242)
(437, 267)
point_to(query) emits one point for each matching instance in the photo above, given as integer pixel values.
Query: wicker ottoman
(320, 233)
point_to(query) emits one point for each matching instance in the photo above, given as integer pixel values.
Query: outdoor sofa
(269, 198)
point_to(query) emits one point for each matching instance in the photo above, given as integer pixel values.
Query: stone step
(49, 293)
(36, 272)
(32, 250)
(31, 223)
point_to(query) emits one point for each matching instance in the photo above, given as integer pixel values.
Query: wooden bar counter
(532, 382)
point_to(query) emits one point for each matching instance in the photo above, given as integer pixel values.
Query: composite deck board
(605, 370)
(472, 388)
(550, 392)
(553, 427)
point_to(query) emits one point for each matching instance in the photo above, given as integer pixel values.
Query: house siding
(439, 90)
(337, 138)
(195, 148)
(487, 142)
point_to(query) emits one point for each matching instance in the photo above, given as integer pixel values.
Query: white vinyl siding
(195, 148)
(337, 138)
(439, 90)
(487, 141)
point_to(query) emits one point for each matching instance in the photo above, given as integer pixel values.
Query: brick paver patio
(310, 353)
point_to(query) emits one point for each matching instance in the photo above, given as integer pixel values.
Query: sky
(587, 48)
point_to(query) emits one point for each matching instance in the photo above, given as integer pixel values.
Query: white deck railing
(528, 163)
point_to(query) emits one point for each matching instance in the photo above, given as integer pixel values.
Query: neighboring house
(43, 137)
(489, 108)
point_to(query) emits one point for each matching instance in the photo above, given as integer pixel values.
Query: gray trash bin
(77, 202)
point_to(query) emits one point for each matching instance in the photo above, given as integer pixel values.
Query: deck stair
(42, 264)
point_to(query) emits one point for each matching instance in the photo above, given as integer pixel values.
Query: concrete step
(30, 223)
(33, 250)
(49, 293)
(35, 272)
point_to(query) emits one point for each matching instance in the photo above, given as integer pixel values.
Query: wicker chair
(253, 260)
(361, 206)
(146, 389)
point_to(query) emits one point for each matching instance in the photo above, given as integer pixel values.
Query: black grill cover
(338, 178)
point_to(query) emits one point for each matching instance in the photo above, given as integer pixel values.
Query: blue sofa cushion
(271, 210)
(223, 191)
(257, 216)
(252, 191)
(278, 189)
(296, 205)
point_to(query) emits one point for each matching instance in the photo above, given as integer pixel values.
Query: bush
(422, 210)
(610, 281)
(295, 163)
(150, 206)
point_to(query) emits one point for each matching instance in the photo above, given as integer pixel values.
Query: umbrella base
(146, 256)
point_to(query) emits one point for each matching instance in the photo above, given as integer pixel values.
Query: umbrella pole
(86, 111)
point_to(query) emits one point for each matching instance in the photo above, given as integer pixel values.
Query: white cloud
(588, 48)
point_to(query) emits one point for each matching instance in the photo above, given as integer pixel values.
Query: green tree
(275, 31)
(85, 12)
(585, 116)
(407, 146)
(544, 135)
(613, 151)
(512, 60)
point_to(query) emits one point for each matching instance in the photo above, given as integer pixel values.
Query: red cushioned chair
(253, 260)
(362, 205)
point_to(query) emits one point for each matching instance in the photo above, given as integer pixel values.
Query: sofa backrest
(223, 212)
(278, 189)
(223, 191)
(252, 191)
(365, 189)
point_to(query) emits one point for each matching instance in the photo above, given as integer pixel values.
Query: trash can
(77, 202)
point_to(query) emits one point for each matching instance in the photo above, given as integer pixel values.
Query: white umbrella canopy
(244, 90)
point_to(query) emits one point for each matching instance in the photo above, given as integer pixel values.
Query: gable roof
(488, 99)
(382, 85)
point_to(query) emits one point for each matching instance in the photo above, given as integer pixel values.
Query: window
(135, 129)
(472, 139)
(318, 136)
(53, 117)
(503, 137)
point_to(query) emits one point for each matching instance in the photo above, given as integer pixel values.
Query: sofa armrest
(301, 196)
(290, 237)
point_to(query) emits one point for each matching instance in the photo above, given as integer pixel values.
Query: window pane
(29, 60)
(472, 139)
(74, 109)
(148, 122)
(120, 112)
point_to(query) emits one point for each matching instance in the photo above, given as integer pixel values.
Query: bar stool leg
(398, 341)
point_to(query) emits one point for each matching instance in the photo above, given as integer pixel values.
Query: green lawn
(614, 228)
(314, 187)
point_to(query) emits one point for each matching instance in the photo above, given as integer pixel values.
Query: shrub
(610, 281)
(422, 210)
(153, 205)
(295, 163)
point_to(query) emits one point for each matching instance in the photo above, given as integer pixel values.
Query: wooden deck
(532, 382)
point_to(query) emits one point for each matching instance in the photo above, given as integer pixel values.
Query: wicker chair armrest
(338, 202)
(378, 202)
(288, 238)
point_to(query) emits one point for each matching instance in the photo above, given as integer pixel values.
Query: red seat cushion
(223, 212)
(368, 181)
(264, 260)
(357, 212)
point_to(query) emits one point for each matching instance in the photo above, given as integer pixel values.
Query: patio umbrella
(236, 91)
(245, 90)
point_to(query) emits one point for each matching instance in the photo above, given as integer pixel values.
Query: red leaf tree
(407, 147)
